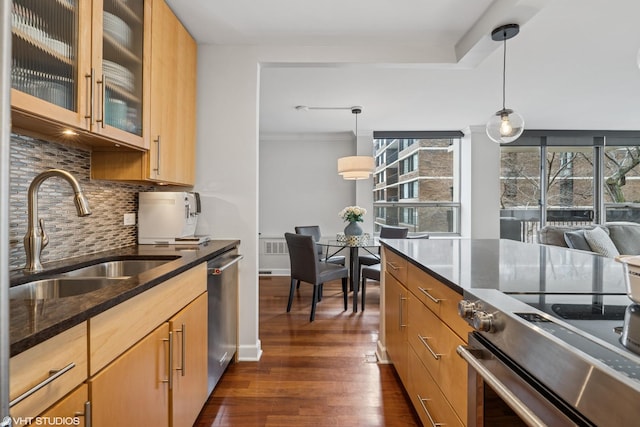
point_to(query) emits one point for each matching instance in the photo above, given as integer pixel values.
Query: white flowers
(352, 213)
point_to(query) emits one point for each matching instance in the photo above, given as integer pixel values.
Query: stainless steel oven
(551, 359)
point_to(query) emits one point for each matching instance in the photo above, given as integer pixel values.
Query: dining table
(334, 246)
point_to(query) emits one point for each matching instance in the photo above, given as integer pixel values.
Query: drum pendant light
(356, 167)
(505, 125)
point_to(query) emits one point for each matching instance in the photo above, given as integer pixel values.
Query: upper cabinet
(173, 71)
(82, 66)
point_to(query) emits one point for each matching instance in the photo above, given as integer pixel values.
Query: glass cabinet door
(121, 57)
(45, 52)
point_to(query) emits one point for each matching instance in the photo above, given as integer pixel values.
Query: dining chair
(386, 232)
(369, 272)
(305, 267)
(314, 230)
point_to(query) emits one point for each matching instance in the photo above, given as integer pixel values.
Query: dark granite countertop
(511, 267)
(32, 323)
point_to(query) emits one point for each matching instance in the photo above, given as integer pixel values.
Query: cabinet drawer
(430, 403)
(435, 345)
(440, 298)
(395, 265)
(117, 329)
(66, 353)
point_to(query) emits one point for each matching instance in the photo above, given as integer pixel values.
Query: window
(574, 191)
(421, 186)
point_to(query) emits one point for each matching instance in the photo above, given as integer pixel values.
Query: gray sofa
(625, 236)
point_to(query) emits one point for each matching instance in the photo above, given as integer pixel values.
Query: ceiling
(431, 65)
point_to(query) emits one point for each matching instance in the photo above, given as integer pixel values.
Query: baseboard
(250, 353)
(381, 354)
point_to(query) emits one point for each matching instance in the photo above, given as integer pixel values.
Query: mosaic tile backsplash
(69, 235)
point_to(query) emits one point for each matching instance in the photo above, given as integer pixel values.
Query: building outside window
(417, 182)
(568, 178)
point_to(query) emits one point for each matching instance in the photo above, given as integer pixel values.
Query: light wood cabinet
(189, 386)
(148, 355)
(81, 66)
(396, 304)
(433, 374)
(134, 389)
(171, 155)
(72, 410)
(61, 360)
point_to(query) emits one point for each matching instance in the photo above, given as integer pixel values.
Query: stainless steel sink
(59, 287)
(120, 268)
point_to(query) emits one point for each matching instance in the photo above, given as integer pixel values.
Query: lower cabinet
(160, 381)
(422, 332)
(134, 389)
(395, 300)
(188, 389)
(73, 410)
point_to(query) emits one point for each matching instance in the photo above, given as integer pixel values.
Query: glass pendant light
(505, 125)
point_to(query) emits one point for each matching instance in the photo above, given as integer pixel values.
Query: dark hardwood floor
(311, 374)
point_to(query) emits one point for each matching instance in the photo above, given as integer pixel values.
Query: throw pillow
(626, 237)
(600, 242)
(576, 240)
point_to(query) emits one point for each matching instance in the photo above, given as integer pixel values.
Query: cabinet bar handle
(424, 342)
(170, 364)
(86, 414)
(157, 168)
(91, 78)
(431, 297)
(392, 266)
(102, 101)
(402, 325)
(53, 375)
(183, 331)
(424, 408)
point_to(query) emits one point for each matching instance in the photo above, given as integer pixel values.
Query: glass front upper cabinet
(80, 63)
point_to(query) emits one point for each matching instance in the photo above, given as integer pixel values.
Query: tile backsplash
(69, 235)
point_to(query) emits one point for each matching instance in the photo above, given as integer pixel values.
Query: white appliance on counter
(168, 218)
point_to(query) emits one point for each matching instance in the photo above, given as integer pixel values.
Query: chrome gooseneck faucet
(36, 238)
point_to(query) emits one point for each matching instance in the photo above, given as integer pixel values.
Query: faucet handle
(43, 235)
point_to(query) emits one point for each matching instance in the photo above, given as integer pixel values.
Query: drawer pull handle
(424, 408)
(431, 297)
(53, 375)
(392, 266)
(426, 344)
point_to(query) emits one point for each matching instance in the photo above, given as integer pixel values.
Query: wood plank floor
(311, 374)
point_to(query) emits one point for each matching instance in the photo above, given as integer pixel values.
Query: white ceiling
(573, 65)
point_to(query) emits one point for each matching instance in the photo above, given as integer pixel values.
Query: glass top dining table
(334, 246)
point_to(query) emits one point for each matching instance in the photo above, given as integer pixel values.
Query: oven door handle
(525, 413)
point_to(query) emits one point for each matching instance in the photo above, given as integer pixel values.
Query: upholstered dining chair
(369, 272)
(386, 232)
(314, 230)
(305, 267)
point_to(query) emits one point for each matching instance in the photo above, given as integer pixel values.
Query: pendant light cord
(504, 70)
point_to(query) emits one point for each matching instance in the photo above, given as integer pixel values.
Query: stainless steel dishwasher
(222, 287)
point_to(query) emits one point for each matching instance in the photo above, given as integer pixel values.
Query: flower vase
(353, 229)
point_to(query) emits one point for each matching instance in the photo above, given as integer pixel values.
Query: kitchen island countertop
(32, 323)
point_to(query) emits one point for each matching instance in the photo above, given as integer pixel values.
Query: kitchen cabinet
(189, 386)
(431, 371)
(81, 66)
(72, 410)
(156, 345)
(171, 155)
(395, 300)
(133, 390)
(59, 364)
